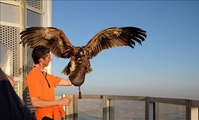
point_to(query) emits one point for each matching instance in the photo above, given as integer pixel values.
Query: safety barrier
(111, 107)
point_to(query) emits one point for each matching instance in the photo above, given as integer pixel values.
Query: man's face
(47, 60)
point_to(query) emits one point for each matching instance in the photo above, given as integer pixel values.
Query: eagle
(79, 64)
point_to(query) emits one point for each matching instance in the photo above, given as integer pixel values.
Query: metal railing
(110, 107)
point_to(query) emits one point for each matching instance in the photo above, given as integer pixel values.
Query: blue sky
(165, 65)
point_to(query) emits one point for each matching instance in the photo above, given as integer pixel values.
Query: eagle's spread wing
(112, 37)
(51, 37)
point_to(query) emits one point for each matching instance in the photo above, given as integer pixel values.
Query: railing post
(108, 109)
(194, 113)
(65, 109)
(149, 109)
(75, 107)
(71, 110)
(111, 110)
(106, 105)
(156, 111)
(188, 110)
(146, 109)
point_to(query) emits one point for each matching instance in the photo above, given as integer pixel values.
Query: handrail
(151, 104)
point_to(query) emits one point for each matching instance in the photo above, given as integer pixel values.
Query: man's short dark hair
(39, 52)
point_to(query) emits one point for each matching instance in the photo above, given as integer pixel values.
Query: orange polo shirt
(38, 87)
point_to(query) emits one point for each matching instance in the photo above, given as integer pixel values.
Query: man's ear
(41, 60)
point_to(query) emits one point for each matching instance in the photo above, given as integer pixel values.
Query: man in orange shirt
(41, 87)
